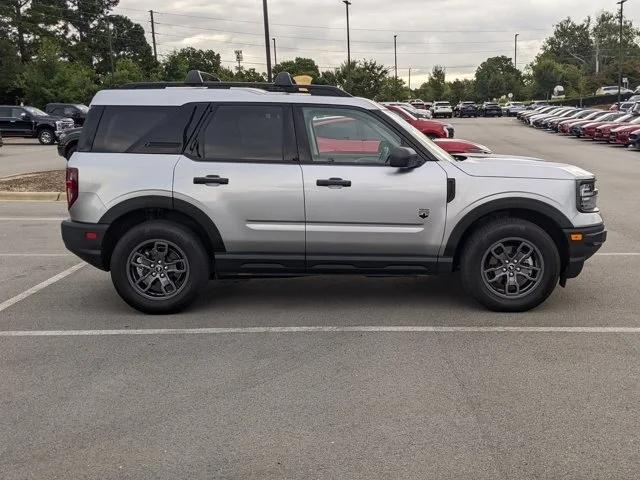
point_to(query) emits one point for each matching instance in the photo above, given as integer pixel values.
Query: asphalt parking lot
(26, 155)
(329, 377)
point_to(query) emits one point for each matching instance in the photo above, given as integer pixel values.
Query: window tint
(17, 112)
(5, 112)
(69, 111)
(343, 135)
(245, 132)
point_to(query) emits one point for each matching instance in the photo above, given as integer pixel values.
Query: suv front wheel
(510, 265)
(159, 267)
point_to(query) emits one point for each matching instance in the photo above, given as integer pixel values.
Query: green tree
(177, 64)
(496, 77)
(10, 68)
(248, 75)
(437, 84)
(49, 78)
(328, 77)
(299, 66)
(460, 90)
(126, 71)
(16, 26)
(364, 78)
(571, 43)
(392, 90)
(546, 74)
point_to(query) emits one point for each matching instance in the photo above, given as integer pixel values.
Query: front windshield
(624, 118)
(419, 137)
(35, 111)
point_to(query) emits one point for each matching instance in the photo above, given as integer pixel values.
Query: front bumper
(583, 243)
(85, 240)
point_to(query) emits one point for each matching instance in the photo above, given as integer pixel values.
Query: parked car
(419, 104)
(169, 188)
(578, 129)
(418, 113)
(68, 142)
(465, 109)
(634, 139)
(76, 111)
(490, 109)
(566, 127)
(524, 116)
(511, 109)
(612, 90)
(621, 135)
(458, 146)
(430, 128)
(30, 122)
(441, 109)
(602, 132)
(543, 121)
(558, 125)
(1, 141)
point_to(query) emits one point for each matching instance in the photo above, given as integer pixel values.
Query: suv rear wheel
(159, 267)
(510, 265)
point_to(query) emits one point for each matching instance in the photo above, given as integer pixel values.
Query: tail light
(72, 186)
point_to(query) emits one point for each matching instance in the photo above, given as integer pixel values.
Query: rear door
(242, 170)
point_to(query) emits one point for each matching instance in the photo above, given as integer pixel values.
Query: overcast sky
(458, 34)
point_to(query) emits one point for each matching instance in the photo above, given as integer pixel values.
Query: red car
(603, 132)
(565, 126)
(620, 135)
(431, 128)
(456, 145)
(589, 129)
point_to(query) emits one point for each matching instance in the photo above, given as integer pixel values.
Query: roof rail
(283, 83)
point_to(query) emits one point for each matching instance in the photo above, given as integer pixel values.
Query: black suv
(491, 109)
(75, 111)
(31, 122)
(465, 109)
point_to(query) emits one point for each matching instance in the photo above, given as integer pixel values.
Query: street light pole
(346, 4)
(409, 81)
(395, 56)
(275, 52)
(266, 39)
(621, 3)
(515, 52)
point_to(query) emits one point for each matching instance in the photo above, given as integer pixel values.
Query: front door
(245, 175)
(361, 213)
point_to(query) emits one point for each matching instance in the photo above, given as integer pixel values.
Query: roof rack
(283, 83)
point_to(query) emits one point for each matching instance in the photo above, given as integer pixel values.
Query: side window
(342, 135)
(245, 132)
(5, 112)
(17, 112)
(69, 112)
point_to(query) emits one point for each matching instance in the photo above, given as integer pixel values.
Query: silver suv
(174, 184)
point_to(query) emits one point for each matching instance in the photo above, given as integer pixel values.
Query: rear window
(137, 129)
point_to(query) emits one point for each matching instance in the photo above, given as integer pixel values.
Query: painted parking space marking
(316, 329)
(36, 288)
(36, 255)
(32, 219)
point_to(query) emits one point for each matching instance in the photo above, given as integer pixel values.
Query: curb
(34, 196)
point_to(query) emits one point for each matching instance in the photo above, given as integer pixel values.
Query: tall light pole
(515, 52)
(395, 56)
(346, 4)
(266, 39)
(409, 81)
(621, 3)
(275, 52)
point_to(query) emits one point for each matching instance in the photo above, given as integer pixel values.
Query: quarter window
(245, 132)
(341, 135)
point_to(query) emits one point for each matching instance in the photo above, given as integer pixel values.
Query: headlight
(587, 198)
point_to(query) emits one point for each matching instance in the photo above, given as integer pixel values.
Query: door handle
(210, 179)
(333, 181)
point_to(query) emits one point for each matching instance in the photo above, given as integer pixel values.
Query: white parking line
(315, 329)
(36, 288)
(32, 219)
(36, 254)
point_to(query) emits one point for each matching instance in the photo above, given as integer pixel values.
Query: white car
(612, 90)
(441, 109)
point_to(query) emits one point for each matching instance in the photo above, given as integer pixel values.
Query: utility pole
(275, 52)
(597, 57)
(153, 36)
(266, 39)
(395, 57)
(515, 52)
(346, 4)
(409, 82)
(621, 3)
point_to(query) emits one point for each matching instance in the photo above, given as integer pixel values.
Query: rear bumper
(592, 238)
(78, 238)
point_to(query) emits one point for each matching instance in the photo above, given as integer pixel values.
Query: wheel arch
(549, 218)
(136, 210)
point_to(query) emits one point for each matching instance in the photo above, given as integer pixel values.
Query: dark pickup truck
(75, 111)
(31, 122)
(465, 109)
(491, 109)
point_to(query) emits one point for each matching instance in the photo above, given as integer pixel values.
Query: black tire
(510, 231)
(181, 240)
(70, 150)
(46, 136)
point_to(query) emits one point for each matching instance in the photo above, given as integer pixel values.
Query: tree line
(66, 50)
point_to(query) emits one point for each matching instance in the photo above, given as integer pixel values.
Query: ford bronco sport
(173, 184)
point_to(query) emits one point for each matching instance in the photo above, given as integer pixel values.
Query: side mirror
(403, 157)
(24, 116)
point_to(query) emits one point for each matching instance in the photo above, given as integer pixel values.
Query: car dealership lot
(464, 401)
(25, 155)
